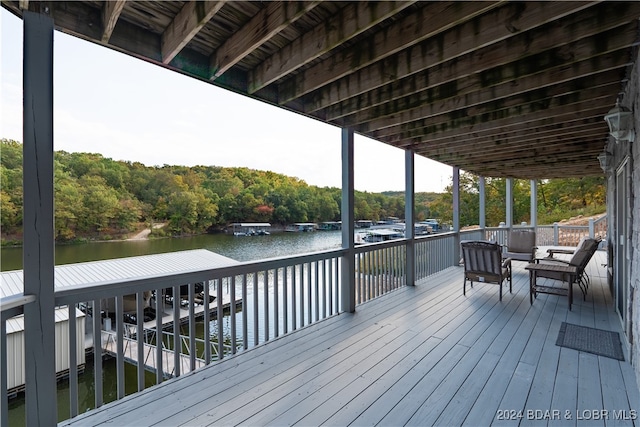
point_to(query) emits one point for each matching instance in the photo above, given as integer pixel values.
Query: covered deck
(419, 355)
(498, 89)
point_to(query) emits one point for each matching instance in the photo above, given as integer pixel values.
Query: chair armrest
(554, 261)
(559, 251)
(506, 262)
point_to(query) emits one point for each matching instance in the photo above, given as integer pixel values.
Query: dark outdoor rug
(590, 340)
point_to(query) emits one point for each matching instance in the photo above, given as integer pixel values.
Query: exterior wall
(630, 151)
(634, 88)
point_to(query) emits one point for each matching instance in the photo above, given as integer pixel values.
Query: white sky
(126, 109)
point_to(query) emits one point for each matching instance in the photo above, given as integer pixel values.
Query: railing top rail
(437, 236)
(368, 247)
(111, 288)
(12, 301)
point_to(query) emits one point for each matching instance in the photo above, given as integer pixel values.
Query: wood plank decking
(423, 355)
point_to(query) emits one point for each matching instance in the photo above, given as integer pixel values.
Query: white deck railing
(267, 299)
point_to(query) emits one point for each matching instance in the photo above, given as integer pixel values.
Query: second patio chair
(565, 271)
(583, 280)
(521, 245)
(483, 263)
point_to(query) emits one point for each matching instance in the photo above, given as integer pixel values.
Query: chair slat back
(483, 257)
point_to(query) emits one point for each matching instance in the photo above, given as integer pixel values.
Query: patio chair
(565, 271)
(521, 245)
(483, 263)
(583, 280)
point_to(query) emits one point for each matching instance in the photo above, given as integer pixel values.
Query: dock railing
(268, 298)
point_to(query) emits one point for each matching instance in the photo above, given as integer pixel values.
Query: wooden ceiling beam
(110, 14)
(431, 53)
(351, 21)
(512, 162)
(388, 62)
(192, 17)
(542, 162)
(555, 113)
(536, 147)
(262, 27)
(483, 102)
(522, 136)
(507, 142)
(536, 168)
(518, 130)
(520, 108)
(470, 90)
(427, 22)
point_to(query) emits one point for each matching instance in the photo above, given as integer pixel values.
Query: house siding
(631, 153)
(634, 285)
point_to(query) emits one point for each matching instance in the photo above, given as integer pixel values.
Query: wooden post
(534, 204)
(509, 203)
(38, 249)
(409, 216)
(456, 215)
(348, 289)
(482, 194)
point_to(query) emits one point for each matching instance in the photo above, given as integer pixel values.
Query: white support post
(482, 194)
(509, 203)
(409, 215)
(348, 289)
(38, 249)
(456, 215)
(534, 204)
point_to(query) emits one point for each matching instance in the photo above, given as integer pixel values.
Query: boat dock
(95, 273)
(130, 349)
(109, 346)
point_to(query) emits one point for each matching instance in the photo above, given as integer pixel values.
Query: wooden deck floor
(423, 355)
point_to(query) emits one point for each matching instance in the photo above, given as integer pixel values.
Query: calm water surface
(239, 248)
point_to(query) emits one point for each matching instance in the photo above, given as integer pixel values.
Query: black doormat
(590, 340)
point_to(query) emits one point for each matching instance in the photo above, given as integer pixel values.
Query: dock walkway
(109, 346)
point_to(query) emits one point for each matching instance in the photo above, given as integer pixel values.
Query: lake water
(241, 248)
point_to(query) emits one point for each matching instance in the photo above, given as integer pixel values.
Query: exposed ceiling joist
(192, 17)
(110, 14)
(427, 22)
(262, 27)
(514, 50)
(478, 103)
(496, 88)
(391, 99)
(556, 111)
(352, 20)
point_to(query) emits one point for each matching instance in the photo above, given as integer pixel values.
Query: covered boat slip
(94, 273)
(421, 355)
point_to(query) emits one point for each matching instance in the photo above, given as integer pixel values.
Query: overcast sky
(126, 109)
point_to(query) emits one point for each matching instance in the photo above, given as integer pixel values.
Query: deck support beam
(456, 215)
(409, 215)
(348, 289)
(38, 249)
(509, 203)
(534, 204)
(482, 195)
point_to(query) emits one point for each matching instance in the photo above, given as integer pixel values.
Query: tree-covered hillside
(97, 197)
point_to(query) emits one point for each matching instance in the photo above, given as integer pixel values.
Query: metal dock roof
(136, 267)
